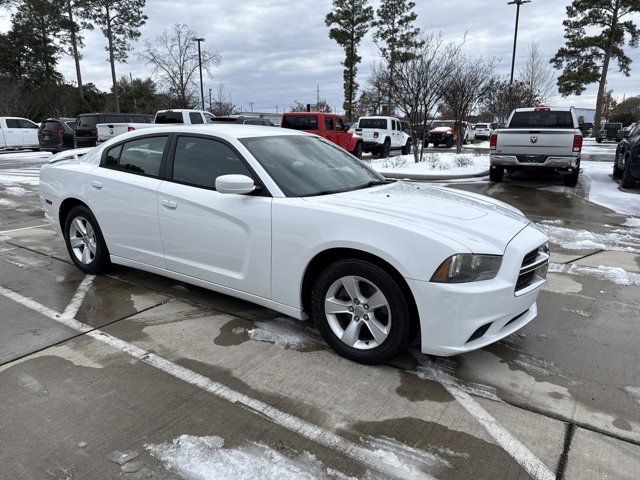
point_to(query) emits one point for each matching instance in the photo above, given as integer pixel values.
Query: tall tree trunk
(74, 46)
(605, 70)
(112, 60)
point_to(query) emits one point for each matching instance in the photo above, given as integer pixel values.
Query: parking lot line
(24, 228)
(295, 424)
(78, 297)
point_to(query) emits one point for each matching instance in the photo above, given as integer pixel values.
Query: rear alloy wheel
(406, 150)
(84, 241)
(361, 312)
(627, 179)
(496, 173)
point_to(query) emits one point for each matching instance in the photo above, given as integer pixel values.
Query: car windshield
(88, 121)
(380, 123)
(613, 126)
(443, 124)
(542, 119)
(481, 126)
(169, 117)
(304, 165)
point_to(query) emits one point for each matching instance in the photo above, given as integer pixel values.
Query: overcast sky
(276, 51)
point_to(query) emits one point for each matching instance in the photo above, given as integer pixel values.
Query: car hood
(479, 223)
(440, 130)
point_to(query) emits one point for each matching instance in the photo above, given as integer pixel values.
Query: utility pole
(251, 105)
(135, 104)
(517, 3)
(200, 39)
(210, 105)
(317, 96)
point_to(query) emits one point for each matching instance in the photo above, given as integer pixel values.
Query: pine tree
(595, 33)
(352, 19)
(396, 35)
(77, 14)
(120, 22)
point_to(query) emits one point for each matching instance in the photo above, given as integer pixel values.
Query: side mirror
(238, 184)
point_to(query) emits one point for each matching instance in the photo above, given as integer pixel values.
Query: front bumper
(450, 314)
(550, 162)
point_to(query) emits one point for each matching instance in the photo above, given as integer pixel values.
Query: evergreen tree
(396, 35)
(352, 19)
(77, 15)
(120, 22)
(595, 33)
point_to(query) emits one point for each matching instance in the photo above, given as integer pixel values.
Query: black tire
(617, 173)
(450, 142)
(400, 327)
(627, 179)
(436, 144)
(385, 149)
(357, 151)
(406, 150)
(496, 173)
(571, 179)
(599, 139)
(100, 260)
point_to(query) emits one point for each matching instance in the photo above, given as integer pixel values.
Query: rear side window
(169, 117)
(379, 123)
(340, 125)
(195, 118)
(549, 119)
(87, 121)
(51, 126)
(208, 118)
(328, 123)
(142, 156)
(300, 122)
(199, 161)
(13, 123)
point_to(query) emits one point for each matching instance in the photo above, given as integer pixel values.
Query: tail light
(130, 129)
(577, 143)
(57, 132)
(542, 109)
(493, 141)
(376, 134)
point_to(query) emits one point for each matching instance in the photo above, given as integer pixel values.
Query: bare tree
(222, 104)
(419, 84)
(502, 97)
(538, 74)
(468, 83)
(174, 57)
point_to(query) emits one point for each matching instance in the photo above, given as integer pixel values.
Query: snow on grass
(206, 458)
(285, 332)
(623, 239)
(434, 164)
(606, 192)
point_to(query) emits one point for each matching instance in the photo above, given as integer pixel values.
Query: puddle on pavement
(234, 332)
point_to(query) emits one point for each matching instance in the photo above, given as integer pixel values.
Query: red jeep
(327, 125)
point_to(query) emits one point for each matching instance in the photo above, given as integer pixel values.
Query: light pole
(517, 3)
(210, 106)
(199, 39)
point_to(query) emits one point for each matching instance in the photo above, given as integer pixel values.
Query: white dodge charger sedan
(292, 222)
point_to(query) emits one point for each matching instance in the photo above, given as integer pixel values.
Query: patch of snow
(613, 274)
(557, 268)
(634, 392)
(552, 222)
(83, 444)
(17, 191)
(32, 384)
(580, 313)
(123, 457)
(7, 203)
(632, 222)
(434, 164)
(205, 458)
(20, 176)
(623, 239)
(403, 457)
(606, 192)
(24, 157)
(285, 332)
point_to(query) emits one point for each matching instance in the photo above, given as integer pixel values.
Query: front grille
(531, 158)
(534, 267)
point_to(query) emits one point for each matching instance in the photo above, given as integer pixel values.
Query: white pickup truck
(538, 138)
(107, 131)
(18, 133)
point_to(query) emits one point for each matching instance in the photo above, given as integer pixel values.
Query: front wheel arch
(325, 258)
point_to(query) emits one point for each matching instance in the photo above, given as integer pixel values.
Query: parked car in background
(623, 133)
(627, 162)
(586, 129)
(18, 133)
(183, 116)
(445, 132)
(535, 139)
(56, 134)
(291, 222)
(483, 131)
(608, 132)
(327, 125)
(244, 120)
(381, 135)
(86, 129)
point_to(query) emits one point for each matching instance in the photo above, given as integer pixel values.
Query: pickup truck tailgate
(369, 134)
(549, 142)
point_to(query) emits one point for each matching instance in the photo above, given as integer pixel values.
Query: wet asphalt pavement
(131, 375)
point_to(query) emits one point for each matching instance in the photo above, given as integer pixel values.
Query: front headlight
(467, 267)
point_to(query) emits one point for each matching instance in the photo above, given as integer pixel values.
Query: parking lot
(131, 375)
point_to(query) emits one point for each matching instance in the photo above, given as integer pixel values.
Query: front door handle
(96, 185)
(171, 205)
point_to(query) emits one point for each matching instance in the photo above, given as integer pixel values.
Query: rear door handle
(96, 185)
(171, 205)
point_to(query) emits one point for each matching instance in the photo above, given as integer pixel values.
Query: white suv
(380, 135)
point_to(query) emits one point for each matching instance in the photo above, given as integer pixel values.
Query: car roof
(553, 109)
(222, 130)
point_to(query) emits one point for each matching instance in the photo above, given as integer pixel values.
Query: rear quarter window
(169, 117)
(551, 119)
(300, 122)
(379, 123)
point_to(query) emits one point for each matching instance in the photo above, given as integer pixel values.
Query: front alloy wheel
(361, 311)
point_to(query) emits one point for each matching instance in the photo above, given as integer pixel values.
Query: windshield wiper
(372, 183)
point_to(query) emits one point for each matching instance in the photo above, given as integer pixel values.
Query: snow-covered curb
(435, 166)
(417, 176)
